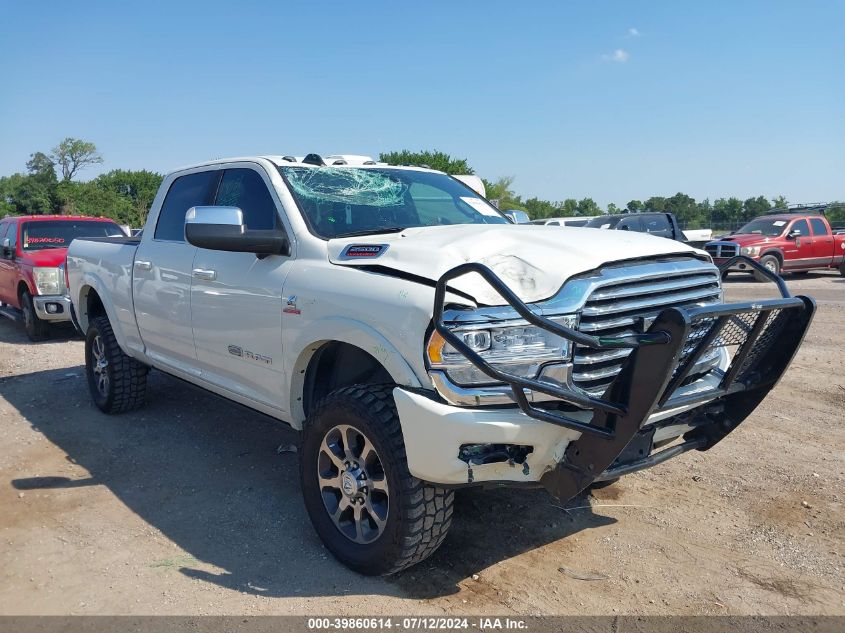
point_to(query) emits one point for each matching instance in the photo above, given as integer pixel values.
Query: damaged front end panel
(617, 440)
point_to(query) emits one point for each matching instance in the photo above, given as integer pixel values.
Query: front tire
(371, 513)
(36, 329)
(117, 382)
(769, 262)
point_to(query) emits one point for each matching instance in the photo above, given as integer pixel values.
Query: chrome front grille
(629, 305)
(722, 250)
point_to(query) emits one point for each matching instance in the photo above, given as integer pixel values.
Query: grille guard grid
(661, 359)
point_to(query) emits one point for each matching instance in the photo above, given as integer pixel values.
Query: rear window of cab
(44, 234)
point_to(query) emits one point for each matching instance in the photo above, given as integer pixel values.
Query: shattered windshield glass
(345, 201)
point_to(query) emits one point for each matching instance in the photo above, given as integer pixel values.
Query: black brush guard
(765, 334)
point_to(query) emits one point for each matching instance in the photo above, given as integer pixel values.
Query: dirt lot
(186, 507)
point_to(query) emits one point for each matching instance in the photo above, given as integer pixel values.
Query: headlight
(751, 251)
(49, 281)
(515, 347)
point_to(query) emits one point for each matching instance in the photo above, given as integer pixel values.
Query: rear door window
(819, 227)
(658, 225)
(185, 192)
(630, 224)
(246, 189)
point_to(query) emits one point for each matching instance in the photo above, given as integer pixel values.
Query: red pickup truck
(32, 266)
(788, 242)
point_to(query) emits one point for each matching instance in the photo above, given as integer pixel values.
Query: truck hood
(747, 239)
(534, 261)
(48, 257)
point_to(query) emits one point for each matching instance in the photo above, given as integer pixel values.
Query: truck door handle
(202, 273)
(143, 265)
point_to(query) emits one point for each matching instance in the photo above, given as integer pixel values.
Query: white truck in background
(420, 341)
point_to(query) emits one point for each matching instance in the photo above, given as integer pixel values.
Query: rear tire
(772, 263)
(117, 382)
(371, 513)
(36, 329)
(842, 269)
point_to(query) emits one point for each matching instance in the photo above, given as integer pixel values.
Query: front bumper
(52, 307)
(434, 431)
(737, 266)
(576, 439)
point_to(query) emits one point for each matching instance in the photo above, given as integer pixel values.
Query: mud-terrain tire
(772, 263)
(414, 515)
(36, 329)
(117, 382)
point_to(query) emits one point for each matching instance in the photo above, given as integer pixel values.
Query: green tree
(727, 213)
(588, 206)
(836, 213)
(26, 194)
(569, 207)
(428, 158)
(139, 187)
(634, 206)
(684, 208)
(86, 198)
(73, 154)
(655, 203)
(42, 166)
(540, 209)
(780, 202)
(755, 206)
(502, 192)
(612, 209)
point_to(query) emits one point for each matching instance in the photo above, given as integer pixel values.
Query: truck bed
(105, 265)
(112, 240)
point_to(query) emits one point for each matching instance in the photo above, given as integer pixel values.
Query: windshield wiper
(384, 229)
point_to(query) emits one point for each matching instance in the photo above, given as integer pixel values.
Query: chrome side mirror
(223, 229)
(518, 217)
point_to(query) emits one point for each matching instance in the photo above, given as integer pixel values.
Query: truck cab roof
(311, 160)
(45, 218)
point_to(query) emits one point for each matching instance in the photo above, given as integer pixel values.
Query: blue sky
(613, 100)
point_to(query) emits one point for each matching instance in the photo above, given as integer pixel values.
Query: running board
(11, 313)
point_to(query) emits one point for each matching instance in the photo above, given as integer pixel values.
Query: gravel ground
(187, 507)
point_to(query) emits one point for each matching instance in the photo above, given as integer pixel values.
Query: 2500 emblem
(235, 350)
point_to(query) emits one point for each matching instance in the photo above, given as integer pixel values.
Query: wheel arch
(776, 252)
(91, 302)
(23, 286)
(323, 365)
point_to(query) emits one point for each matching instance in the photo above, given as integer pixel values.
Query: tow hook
(482, 454)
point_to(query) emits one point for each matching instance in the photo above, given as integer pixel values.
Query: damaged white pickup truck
(419, 340)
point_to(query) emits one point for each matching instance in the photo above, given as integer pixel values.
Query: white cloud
(633, 32)
(617, 56)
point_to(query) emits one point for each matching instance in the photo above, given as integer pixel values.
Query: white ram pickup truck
(419, 340)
